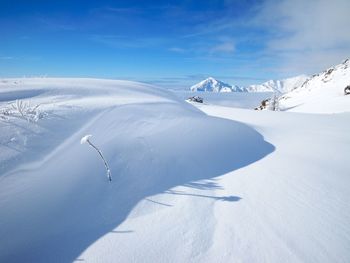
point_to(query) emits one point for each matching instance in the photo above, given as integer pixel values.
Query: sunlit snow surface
(235, 185)
(322, 93)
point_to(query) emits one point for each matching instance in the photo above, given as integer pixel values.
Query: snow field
(190, 184)
(153, 143)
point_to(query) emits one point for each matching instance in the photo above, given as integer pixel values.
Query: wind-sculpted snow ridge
(64, 105)
(57, 203)
(322, 93)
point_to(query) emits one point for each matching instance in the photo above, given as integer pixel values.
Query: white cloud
(124, 42)
(306, 33)
(7, 58)
(177, 50)
(225, 47)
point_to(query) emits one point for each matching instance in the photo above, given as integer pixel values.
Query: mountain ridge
(280, 86)
(213, 85)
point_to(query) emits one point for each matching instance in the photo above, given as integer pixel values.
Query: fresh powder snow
(191, 182)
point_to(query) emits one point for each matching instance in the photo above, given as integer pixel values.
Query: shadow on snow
(148, 156)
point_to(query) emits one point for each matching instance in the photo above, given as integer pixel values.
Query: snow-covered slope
(212, 85)
(55, 199)
(322, 93)
(280, 86)
(295, 203)
(63, 103)
(231, 186)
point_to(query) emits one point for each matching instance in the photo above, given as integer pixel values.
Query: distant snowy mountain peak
(279, 86)
(213, 85)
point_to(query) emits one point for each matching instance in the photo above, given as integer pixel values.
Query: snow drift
(57, 202)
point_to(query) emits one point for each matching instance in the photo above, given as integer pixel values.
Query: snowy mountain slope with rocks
(212, 85)
(206, 184)
(279, 86)
(322, 93)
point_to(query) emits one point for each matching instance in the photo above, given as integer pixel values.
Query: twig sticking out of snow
(86, 139)
(25, 110)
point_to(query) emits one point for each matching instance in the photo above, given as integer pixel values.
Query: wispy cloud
(225, 47)
(119, 10)
(290, 36)
(306, 35)
(119, 41)
(177, 49)
(56, 24)
(301, 25)
(272, 38)
(6, 58)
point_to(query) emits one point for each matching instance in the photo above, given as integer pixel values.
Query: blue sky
(173, 43)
